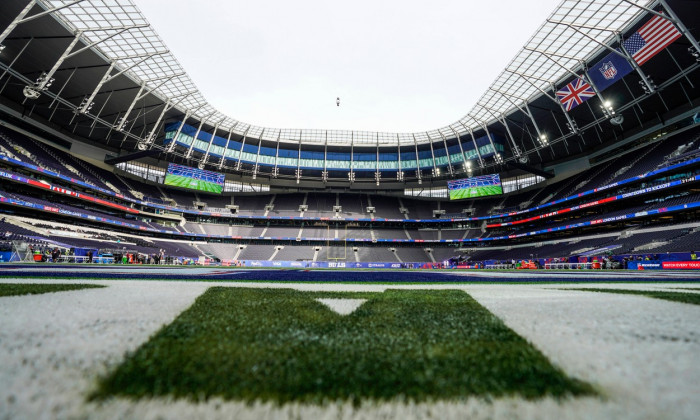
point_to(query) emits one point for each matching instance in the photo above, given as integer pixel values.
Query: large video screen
(196, 179)
(478, 186)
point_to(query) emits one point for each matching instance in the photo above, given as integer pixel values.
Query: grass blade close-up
(284, 345)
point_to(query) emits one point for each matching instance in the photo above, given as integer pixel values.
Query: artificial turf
(8, 289)
(692, 298)
(282, 345)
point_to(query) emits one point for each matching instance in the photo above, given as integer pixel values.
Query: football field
(473, 192)
(159, 342)
(196, 184)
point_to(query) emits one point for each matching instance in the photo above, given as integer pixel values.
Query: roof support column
(476, 147)
(108, 78)
(177, 133)
(46, 79)
(19, 19)
(418, 170)
(257, 156)
(275, 170)
(324, 174)
(240, 154)
(150, 139)
(447, 153)
(399, 171)
(228, 141)
(298, 171)
(206, 154)
(22, 19)
(194, 139)
(461, 150)
(351, 174)
(435, 170)
(377, 174)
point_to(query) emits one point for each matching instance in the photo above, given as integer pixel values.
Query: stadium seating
(679, 148)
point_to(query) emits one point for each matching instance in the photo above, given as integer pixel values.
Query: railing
(573, 266)
(84, 259)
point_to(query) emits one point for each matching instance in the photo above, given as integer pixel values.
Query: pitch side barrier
(663, 265)
(331, 264)
(242, 217)
(189, 236)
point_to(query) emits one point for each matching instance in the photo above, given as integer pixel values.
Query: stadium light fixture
(43, 82)
(85, 106)
(121, 123)
(2, 48)
(691, 50)
(607, 108)
(648, 88)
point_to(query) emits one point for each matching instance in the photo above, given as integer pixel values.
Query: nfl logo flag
(651, 39)
(575, 93)
(609, 70)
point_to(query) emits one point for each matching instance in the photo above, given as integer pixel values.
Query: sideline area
(83, 271)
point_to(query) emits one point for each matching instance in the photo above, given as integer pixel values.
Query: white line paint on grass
(641, 353)
(343, 306)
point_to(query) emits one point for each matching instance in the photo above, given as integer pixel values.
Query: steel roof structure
(110, 49)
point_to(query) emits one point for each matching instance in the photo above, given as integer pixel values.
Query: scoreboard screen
(478, 186)
(193, 178)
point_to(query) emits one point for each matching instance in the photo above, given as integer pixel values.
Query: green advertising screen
(479, 186)
(193, 178)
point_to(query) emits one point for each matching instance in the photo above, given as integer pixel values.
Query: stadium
(534, 259)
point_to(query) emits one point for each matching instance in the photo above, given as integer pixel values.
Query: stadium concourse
(536, 258)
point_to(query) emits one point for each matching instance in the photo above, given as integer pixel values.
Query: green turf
(479, 192)
(7, 289)
(281, 345)
(196, 184)
(693, 298)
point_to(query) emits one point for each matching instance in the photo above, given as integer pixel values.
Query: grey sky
(396, 65)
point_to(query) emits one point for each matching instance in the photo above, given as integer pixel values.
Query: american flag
(575, 93)
(651, 38)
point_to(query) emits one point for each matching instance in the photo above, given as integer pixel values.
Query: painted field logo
(608, 70)
(319, 347)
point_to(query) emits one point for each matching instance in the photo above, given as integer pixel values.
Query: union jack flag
(575, 93)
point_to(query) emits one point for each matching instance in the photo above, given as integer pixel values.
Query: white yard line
(642, 353)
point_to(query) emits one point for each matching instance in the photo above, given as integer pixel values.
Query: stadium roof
(571, 34)
(104, 53)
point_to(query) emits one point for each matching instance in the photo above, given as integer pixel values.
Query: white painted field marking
(343, 306)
